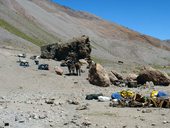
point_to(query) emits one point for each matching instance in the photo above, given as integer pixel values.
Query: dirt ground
(25, 95)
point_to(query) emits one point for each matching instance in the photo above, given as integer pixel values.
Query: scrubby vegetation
(160, 67)
(19, 33)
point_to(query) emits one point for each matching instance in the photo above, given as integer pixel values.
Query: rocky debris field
(32, 98)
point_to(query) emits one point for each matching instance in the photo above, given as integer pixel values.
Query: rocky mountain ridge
(27, 22)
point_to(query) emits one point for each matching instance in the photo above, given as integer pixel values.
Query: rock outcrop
(98, 76)
(131, 77)
(80, 46)
(59, 70)
(112, 77)
(118, 75)
(157, 77)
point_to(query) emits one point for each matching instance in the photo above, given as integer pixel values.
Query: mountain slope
(44, 22)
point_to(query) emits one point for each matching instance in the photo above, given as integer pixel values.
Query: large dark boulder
(80, 46)
(157, 77)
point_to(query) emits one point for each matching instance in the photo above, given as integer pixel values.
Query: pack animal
(71, 66)
(78, 68)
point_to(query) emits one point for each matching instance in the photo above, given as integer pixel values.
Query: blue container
(162, 94)
(116, 95)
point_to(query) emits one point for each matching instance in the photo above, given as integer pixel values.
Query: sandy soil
(25, 92)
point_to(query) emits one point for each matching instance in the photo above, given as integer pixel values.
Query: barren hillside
(34, 98)
(41, 22)
(167, 42)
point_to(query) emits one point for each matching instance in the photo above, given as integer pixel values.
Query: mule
(71, 66)
(78, 68)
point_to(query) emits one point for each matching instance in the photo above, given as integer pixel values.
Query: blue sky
(150, 17)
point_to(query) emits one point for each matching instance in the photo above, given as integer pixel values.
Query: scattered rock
(34, 116)
(2, 97)
(66, 123)
(43, 74)
(142, 119)
(16, 118)
(82, 107)
(74, 102)
(131, 77)
(165, 122)
(138, 109)
(162, 114)
(33, 57)
(157, 77)
(58, 70)
(49, 101)
(75, 82)
(20, 87)
(6, 124)
(112, 77)
(86, 123)
(21, 121)
(42, 116)
(98, 76)
(120, 62)
(73, 121)
(147, 111)
(153, 124)
(136, 126)
(118, 75)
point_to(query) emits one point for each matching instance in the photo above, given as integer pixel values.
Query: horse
(71, 66)
(78, 68)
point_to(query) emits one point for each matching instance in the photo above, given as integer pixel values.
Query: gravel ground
(30, 98)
